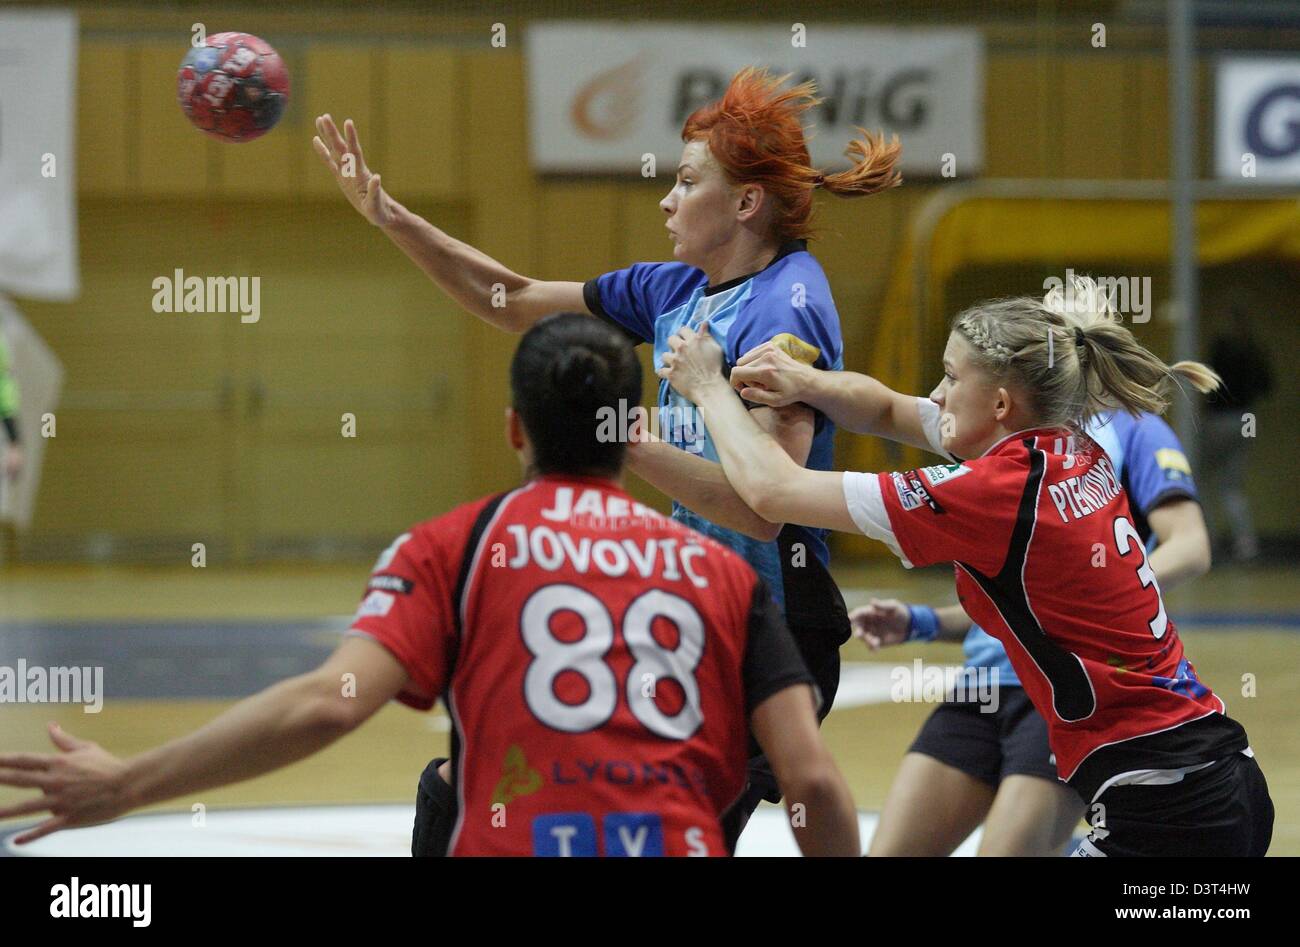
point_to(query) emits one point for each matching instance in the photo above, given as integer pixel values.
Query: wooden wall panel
(174, 159)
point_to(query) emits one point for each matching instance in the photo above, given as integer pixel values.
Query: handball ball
(234, 87)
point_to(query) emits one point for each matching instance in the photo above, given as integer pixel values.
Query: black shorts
(1010, 741)
(1223, 810)
(435, 814)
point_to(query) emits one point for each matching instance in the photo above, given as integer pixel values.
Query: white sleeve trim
(930, 424)
(867, 510)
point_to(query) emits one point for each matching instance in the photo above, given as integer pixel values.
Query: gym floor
(180, 645)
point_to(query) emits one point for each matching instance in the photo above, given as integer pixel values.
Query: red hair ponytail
(754, 132)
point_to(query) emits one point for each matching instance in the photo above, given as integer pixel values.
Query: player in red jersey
(1039, 531)
(602, 664)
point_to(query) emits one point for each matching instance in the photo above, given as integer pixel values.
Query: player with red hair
(739, 217)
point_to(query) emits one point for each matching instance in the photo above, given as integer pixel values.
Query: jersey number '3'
(1125, 535)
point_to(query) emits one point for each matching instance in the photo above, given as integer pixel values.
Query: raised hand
(345, 159)
(880, 622)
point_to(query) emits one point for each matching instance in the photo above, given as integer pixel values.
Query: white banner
(38, 374)
(602, 95)
(1257, 119)
(38, 161)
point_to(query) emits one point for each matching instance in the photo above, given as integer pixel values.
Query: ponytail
(1073, 356)
(755, 134)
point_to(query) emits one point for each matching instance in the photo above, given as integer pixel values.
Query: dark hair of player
(566, 369)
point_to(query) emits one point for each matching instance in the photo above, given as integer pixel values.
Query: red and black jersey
(1048, 561)
(598, 660)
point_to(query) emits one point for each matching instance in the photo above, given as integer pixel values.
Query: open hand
(81, 785)
(880, 622)
(344, 158)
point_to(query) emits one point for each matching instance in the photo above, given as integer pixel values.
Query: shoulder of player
(454, 526)
(672, 277)
(1150, 427)
(799, 268)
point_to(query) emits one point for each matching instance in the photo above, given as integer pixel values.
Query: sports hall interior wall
(177, 427)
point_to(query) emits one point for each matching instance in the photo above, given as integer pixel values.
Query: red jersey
(598, 660)
(1048, 561)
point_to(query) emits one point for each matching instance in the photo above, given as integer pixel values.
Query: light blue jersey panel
(654, 301)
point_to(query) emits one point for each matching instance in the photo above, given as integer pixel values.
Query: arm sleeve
(809, 333)
(1155, 466)
(947, 513)
(632, 299)
(772, 661)
(867, 508)
(407, 608)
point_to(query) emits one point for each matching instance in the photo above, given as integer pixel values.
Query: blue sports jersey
(651, 301)
(1149, 459)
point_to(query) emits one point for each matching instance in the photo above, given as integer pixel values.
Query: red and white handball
(234, 87)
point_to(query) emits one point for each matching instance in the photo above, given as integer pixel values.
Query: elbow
(762, 530)
(1203, 558)
(333, 716)
(765, 497)
(815, 787)
(325, 710)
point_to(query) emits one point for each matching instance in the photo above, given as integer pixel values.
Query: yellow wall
(195, 427)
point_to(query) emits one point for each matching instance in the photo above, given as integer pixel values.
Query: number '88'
(586, 657)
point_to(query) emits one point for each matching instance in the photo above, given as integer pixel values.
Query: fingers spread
(354, 143)
(318, 146)
(39, 804)
(24, 779)
(322, 132)
(25, 760)
(42, 830)
(332, 137)
(64, 740)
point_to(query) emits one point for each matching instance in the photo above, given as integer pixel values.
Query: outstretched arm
(702, 486)
(85, 784)
(858, 403)
(481, 285)
(764, 475)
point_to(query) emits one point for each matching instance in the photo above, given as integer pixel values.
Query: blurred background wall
(177, 427)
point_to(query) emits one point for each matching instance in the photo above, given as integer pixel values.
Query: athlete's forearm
(855, 402)
(1182, 542)
(1178, 559)
(281, 725)
(466, 274)
(954, 623)
(821, 809)
(756, 465)
(699, 485)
